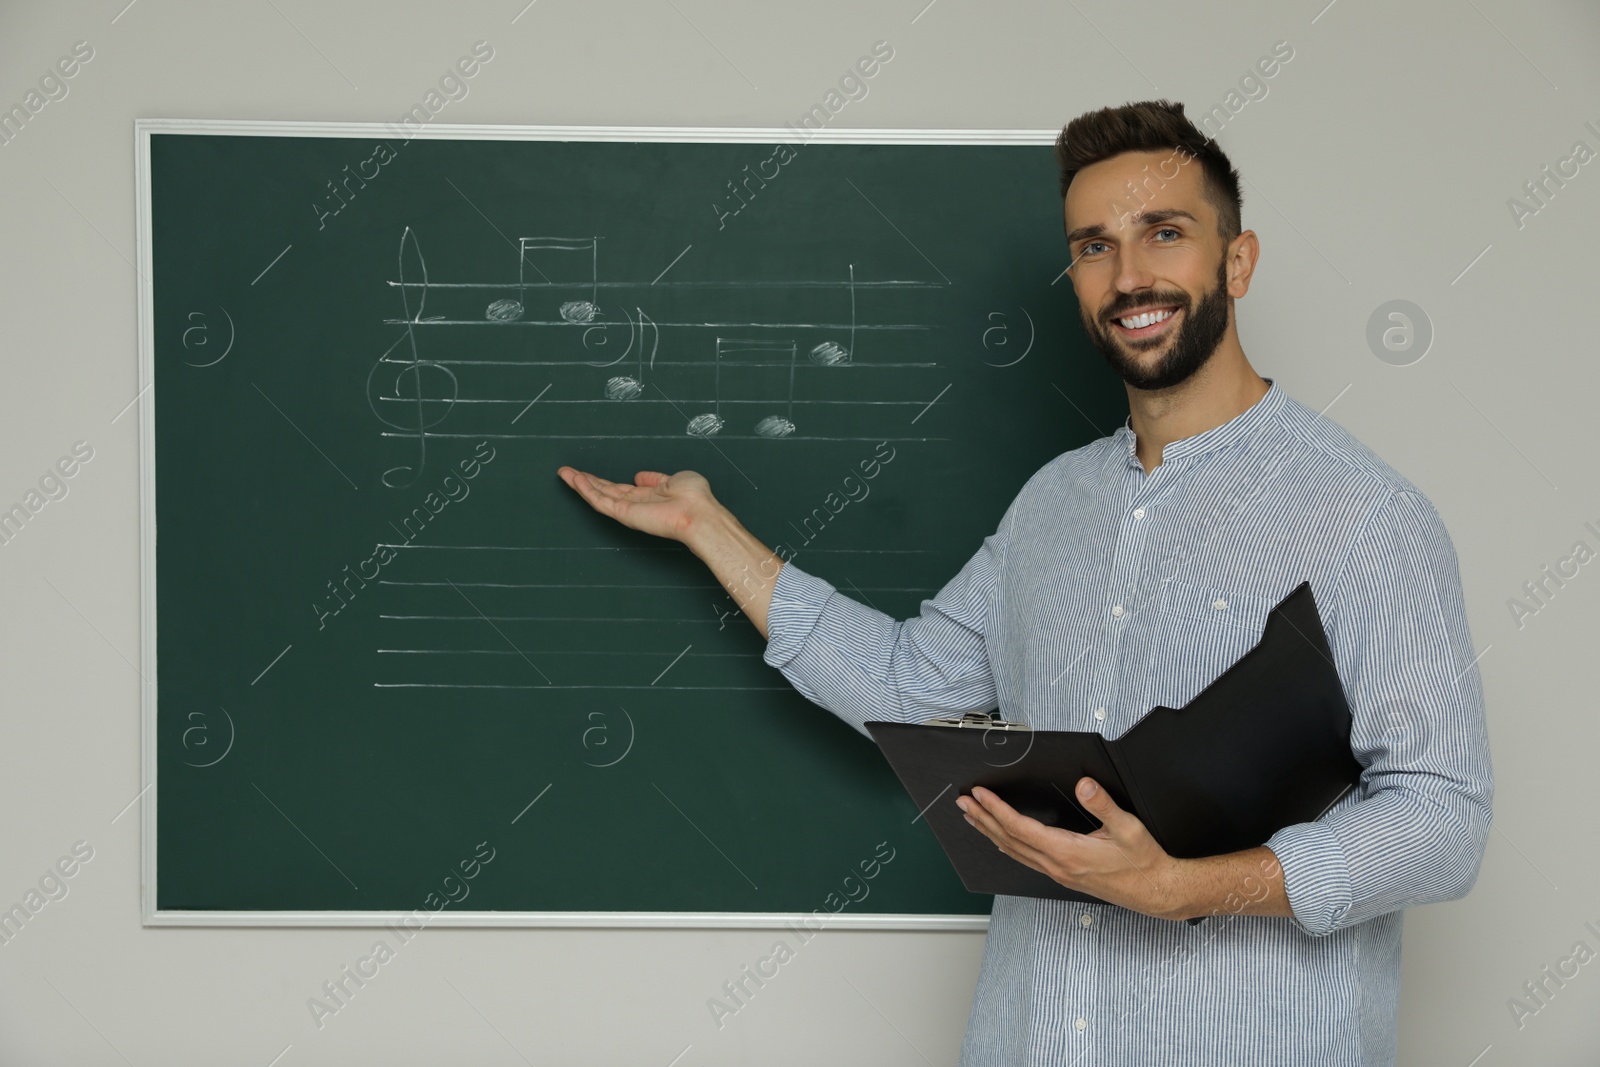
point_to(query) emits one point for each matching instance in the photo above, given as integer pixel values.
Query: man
(1129, 573)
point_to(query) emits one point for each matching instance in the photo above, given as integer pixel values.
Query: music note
(625, 387)
(412, 369)
(742, 352)
(504, 310)
(558, 257)
(832, 353)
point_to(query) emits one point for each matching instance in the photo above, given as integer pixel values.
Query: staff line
(718, 325)
(540, 618)
(576, 365)
(632, 548)
(663, 285)
(417, 435)
(617, 585)
(551, 651)
(603, 400)
(484, 685)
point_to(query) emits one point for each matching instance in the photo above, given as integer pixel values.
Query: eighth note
(625, 387)
(558, 255)
(738, 352)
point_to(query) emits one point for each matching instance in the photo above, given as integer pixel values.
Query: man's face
(1154, 253)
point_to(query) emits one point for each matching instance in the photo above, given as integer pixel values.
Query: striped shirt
(1106, 591)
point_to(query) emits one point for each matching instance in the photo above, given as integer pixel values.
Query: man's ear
(1243, 252)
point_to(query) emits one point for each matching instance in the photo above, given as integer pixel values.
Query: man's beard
(1197, 336)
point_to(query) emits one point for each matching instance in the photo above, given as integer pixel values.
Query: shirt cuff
(797, 602)
(1316, 875)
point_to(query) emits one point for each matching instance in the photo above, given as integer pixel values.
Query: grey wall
(1379, 167)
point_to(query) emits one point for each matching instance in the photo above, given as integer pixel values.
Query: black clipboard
(1265, 745)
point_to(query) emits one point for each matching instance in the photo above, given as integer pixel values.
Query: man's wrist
(1179, 883)
(746, 568)
(1249, 882)
(709, 527)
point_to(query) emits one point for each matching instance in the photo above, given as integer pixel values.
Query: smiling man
(1129, 573)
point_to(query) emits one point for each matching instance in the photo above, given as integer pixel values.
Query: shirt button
(1116, 612)
(1100, 713)
(1085, 919)
(1081, 1023)
(1138, 513)
(1219, 604)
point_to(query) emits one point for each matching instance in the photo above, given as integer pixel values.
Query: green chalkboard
(399, 665)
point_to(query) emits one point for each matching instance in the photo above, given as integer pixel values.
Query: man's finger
(1019, 850)
(997, 820)
(1012, 821)
(609, 489)
(593, 493)
(985, 825)
(1098, 802)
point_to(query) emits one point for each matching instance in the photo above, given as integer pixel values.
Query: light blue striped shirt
(1104, 592)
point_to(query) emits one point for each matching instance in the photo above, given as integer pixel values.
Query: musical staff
(794, 350)
(471, 616)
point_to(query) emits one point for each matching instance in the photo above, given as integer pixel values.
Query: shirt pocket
(1197, 632)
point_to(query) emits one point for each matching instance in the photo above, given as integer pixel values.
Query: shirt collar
(1241, 426)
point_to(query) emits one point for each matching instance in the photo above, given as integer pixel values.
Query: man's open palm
(656, 503)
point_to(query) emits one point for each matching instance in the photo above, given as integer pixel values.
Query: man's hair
(1151, 126)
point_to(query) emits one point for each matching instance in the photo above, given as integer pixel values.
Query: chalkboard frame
(149, 794)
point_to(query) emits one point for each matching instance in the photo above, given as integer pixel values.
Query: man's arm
(1399, 637)
(1417, 831)
(681, 507)
(744, 566)
(1239, 883)
(1122, 864)
(852, 659)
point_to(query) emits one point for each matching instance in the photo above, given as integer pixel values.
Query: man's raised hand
(656, 503)
(680, 506)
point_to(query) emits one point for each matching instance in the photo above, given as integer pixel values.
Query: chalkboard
(394, 666)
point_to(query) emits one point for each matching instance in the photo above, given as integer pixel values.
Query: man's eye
(1088, 249)
(1169, 229)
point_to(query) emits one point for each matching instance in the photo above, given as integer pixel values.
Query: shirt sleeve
(863, 665)
(1398, 631)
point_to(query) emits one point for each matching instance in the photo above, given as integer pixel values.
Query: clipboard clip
(982, 720)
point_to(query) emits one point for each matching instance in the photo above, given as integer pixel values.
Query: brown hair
(1151, 126)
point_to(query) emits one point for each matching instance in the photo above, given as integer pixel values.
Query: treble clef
(408, 392)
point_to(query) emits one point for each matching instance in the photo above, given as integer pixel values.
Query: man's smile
(1147, 323)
